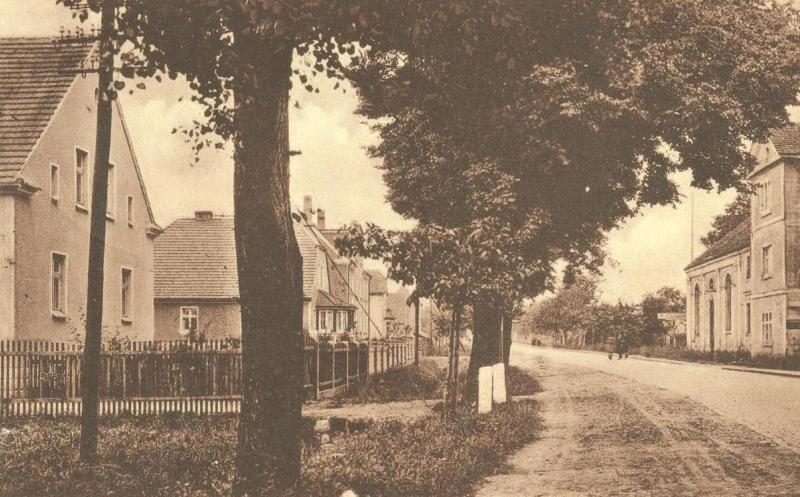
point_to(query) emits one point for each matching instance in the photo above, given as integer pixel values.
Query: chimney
(307, 209)
(203, 215)
(321, 219)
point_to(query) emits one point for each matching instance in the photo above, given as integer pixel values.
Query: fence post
(333, 366)
(347, 366)
(316, 350)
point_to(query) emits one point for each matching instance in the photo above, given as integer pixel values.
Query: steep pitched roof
(32, 85)
(738, 239)
(326, 300)
(786, 140)
(378, 284)
(196, 259)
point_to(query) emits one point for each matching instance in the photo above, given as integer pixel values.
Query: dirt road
(608, 435)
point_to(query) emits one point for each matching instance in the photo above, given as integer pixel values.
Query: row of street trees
(575, 317)
(515, 132)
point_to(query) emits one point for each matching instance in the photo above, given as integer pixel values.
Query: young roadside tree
(569, 313)
(735, 214)
(666, 299)
(586, 107)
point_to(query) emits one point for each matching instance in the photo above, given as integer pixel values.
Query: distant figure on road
(621, 346)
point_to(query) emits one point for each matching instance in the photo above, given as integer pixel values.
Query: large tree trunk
(507, 338)
(270, 277)
(486, 345)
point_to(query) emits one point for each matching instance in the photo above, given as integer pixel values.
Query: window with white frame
(766, 327)
(765, 197)
(341, 321)
(325, 321)
(111, 193)
(55, 182)
(189, 320)
(58, 300)
(766, 261)
(129, 210)
(81, 177)
(126, 294)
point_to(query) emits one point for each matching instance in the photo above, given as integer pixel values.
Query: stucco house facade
(744, 291)
(196, 281)
(47, 139)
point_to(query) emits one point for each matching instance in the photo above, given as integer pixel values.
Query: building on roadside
(47, 140)
(675, 325)
(197, 285)
(744, 291)
(378, 291)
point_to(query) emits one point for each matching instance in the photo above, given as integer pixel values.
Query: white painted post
(499, 383)
(485, 389)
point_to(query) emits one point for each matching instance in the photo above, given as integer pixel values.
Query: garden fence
(152, 377)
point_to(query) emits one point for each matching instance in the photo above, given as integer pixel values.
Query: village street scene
(351, 248)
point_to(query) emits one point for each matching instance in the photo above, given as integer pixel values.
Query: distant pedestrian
(620, 346)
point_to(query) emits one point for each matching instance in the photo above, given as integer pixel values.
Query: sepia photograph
(399, 248)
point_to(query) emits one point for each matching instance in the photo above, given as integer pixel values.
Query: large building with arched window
(744, 291)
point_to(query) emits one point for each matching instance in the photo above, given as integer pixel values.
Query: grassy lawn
(193, 456)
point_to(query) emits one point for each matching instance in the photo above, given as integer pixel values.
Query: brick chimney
(308, 209)
(321, 219)
(203, 215)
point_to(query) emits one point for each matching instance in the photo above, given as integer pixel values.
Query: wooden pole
(90, 381)
(416, 332)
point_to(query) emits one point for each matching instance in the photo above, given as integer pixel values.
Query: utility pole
(90, 378)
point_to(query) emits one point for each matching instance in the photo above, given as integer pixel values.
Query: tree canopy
(735, 214)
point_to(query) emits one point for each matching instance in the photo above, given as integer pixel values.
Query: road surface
(632, 427)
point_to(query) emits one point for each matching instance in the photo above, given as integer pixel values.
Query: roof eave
(19, 188)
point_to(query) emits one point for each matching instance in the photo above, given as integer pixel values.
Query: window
(766, 261)
(765, 197)
(55, 185)
(766, 327)
(130, 210)
(58, 301)
(325, 320)
(747, 317)
(748, 264)
(111, 193)
(341, 321)
(189, 320)
(81, 177)
(127, 282)
(728, 302)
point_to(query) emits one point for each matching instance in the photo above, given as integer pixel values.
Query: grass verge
(193, 456)
(739, 358)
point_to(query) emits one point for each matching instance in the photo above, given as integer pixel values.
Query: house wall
(377, 311)
(7, 264)
(44, 226)
(215, 320)
(724, 338)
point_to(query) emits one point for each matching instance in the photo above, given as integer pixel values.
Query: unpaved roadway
(611, 429)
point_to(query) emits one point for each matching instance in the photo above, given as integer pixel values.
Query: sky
(645, 253)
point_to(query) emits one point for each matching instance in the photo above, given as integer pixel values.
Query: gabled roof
(736, 240)
(195, 259)
(32, 85)
(378, 284)
(786, 140)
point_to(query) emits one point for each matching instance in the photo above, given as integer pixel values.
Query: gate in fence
(43, 378)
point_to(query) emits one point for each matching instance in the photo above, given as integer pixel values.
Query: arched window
(697, 310)
(728, 302)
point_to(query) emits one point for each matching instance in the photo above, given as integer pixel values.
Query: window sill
(110, 217)
(58, 315)
(54, 200)
(766, 345)
(766, 213)
(127, 321)
(766, 276)
(81, 208)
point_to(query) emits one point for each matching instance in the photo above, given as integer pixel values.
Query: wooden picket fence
(143, 378)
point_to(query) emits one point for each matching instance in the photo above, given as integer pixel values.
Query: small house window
(728, 302)
(766, 327)
(112, 194)
(766, 197)
(189, 320)
(81, 176)
(127, 282)
(58, 302)
(55, 182)
(129, 210)
(325, 321)
(748, 264)
(766, 261)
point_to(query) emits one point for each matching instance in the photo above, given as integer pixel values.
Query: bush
(737, 357)
(401, 384)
